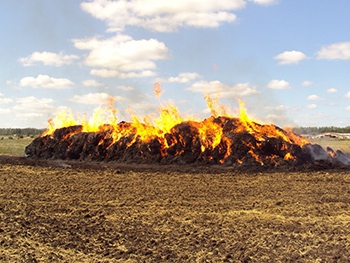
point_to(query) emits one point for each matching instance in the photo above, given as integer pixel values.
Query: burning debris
(171, 140)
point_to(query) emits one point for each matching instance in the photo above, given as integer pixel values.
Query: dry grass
(13, 145)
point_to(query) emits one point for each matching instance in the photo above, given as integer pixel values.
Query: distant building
(332, 135)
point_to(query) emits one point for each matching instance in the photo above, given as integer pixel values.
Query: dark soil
(79, 211)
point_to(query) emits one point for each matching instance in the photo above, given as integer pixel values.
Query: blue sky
(288, 60)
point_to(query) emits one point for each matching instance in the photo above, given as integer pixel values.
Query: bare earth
(55, 211)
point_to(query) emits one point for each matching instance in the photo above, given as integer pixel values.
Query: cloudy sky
(288, 60)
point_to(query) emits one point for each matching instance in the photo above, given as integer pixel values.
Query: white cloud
(11, 83)
(306, 83)
(311, 106)
(339, 50)
(45, 81)
(276, 119)
(29, 115)
(32, 104)
(94, 98)
(332, 90)
(278, 84)
(224, 90)
(48, 59)
(4, 111)
(265, 2)
(122, 53)
(163, 16)
(142, 107)
(347, 95)
(4, 100)
(125, 88)
(110, 73)
(347, 108)
(184, 77)
(91, 83)
(277, 108)
(314, 98)
(308, 120)
(290, 57)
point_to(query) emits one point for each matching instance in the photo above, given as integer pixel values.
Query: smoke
(338, 156)
(317, 153)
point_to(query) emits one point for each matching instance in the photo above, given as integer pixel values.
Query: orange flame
(261, 131)
(157, 89)
(215, 107)
(211, 134)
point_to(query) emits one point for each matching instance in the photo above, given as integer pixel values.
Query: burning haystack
(217, 140)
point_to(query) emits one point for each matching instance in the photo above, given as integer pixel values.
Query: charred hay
(183, 147)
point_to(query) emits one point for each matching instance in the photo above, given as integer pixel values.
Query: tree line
(20, 132)
(320, 130)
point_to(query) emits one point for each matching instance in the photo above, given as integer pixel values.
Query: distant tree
(20, 131)
(318, 130)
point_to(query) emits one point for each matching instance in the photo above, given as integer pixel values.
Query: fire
(215, 107)
(289, 156)
(271, 131)
(63, 118)
(157, 89)
(247, 123)
(213, 138)
(331, 152)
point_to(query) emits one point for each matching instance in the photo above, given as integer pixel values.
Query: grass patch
(10, 145)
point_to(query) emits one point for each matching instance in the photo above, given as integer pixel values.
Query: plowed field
(55, 211)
